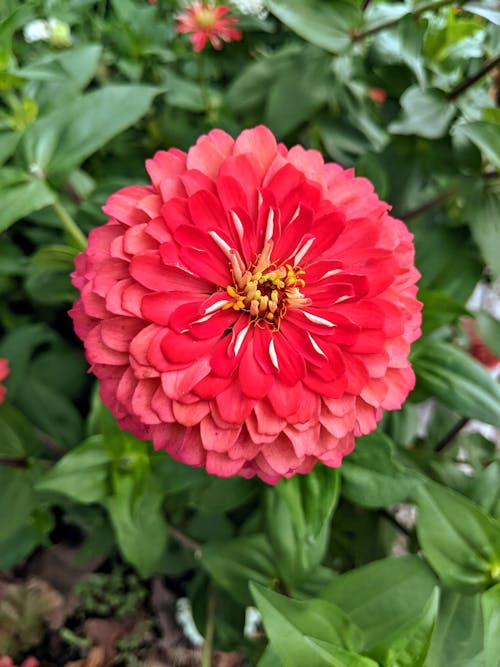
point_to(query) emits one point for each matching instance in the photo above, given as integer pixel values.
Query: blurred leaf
(461, 542)
(457, 380)
(324, 24)
(488, 328)
(233, 563)
(409, 646)
(289, 622)
(439, 310)
(485, 135)
(426, 113)
(490, 603)
(16, 499)
(48, 279)
(371, 475)
(61, 140)
(457, 640)
(331, 652)
(82, 473)
(11, 444)
(384, 596)
(487, 8)
(8, 143)
(184, 93)
(403, 44)
(23, 197)
(483, 212)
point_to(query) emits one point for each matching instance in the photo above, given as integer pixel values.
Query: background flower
(4, 371)
(252, 310)
(206, 21)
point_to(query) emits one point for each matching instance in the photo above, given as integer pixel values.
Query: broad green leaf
(383, 596)
(82, 474)
(426, 113)
(22, 198)
(483, 214)
(11, 444)
(460, 541)
(298, 512)
(486, 136)
(372, 477)
(403, 44)
(326, 25)
(488, 327)
(337, 656)
(48, 280)
(458, 636)
(8, 143)
(135, 510)
(233, 563)
(487, 8)
(288, 622)
(490, 603)
(16, 499)
(409, 646)
(458, 381)
(60, 141)
(439, 310)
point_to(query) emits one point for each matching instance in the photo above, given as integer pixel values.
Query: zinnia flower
(207, 21)
(4, 371)
(251, 311)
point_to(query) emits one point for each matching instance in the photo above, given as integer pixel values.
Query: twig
(387, 515)
(432, 203)
(14, 461)
(470, 81)
(206, 657)
(357, 36)
(184, 540)
(451, 435)
(73, 232)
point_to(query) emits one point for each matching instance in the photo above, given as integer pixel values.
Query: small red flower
(251, 311)
(477, 347)
(207, 21)
(4, 371)
(378, 95)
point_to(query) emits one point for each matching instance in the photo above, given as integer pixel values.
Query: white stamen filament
(239, 340)
(299, 256)
(273, 356)
(226, 249)
(318, 320)
(295, 215)
(342, 298)
(269, 226)
(331, 273)
(215, 306)
(238, 224)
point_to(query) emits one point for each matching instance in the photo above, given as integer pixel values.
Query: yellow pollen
(205, 19)
(266, 292)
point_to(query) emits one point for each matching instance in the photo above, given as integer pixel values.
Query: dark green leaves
(21, 194)
(426, 113)
(458, 381)
(486, 136)
(460, 541)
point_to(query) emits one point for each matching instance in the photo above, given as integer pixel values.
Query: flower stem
(451, 435)
(432, 203)
(470, 81)
(184, 540)
(73, 232)
(206, 658)
(359, 35)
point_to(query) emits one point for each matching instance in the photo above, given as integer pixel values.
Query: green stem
(206, 657)
(203, 78)
(73, 232)
(357, 36)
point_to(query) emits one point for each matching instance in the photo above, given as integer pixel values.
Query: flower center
(205, 19)
(265, 290)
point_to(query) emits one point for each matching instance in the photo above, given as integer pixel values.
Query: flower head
(207, 21)
(4, 371)
(251, 311)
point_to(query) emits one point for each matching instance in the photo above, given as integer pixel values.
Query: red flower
(5, 661)
(252, 310)
(207, 21)
(4, 371)
(477, 347)
(378, 95)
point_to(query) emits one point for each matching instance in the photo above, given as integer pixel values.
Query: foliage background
(407, 94)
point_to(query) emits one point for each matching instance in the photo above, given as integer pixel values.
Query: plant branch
(471, 80)
(387, 515)
(451, 435)
(74, 233)
(184, 540)
(432, 203)
(206, 658)
(14, 461)
(356, 36)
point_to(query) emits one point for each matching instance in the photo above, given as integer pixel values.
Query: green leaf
(326, 25)
(458, 636)
(486, 136)
(16, 499)
(336, 656)
(82, 474)
(298, 512)
(383, 596)
(48, 280)
(426, 113)
(488, 328)
(483, 213)
(409, 646)
(289, 622)
(372, 477)
(486, 8)
(460, 541)
(490, 603)
(439, 310)
(8, 143)
(135, 511)
(233, 563)
(21, 198)
(60, 141)
(11, 444)
(458, 381)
